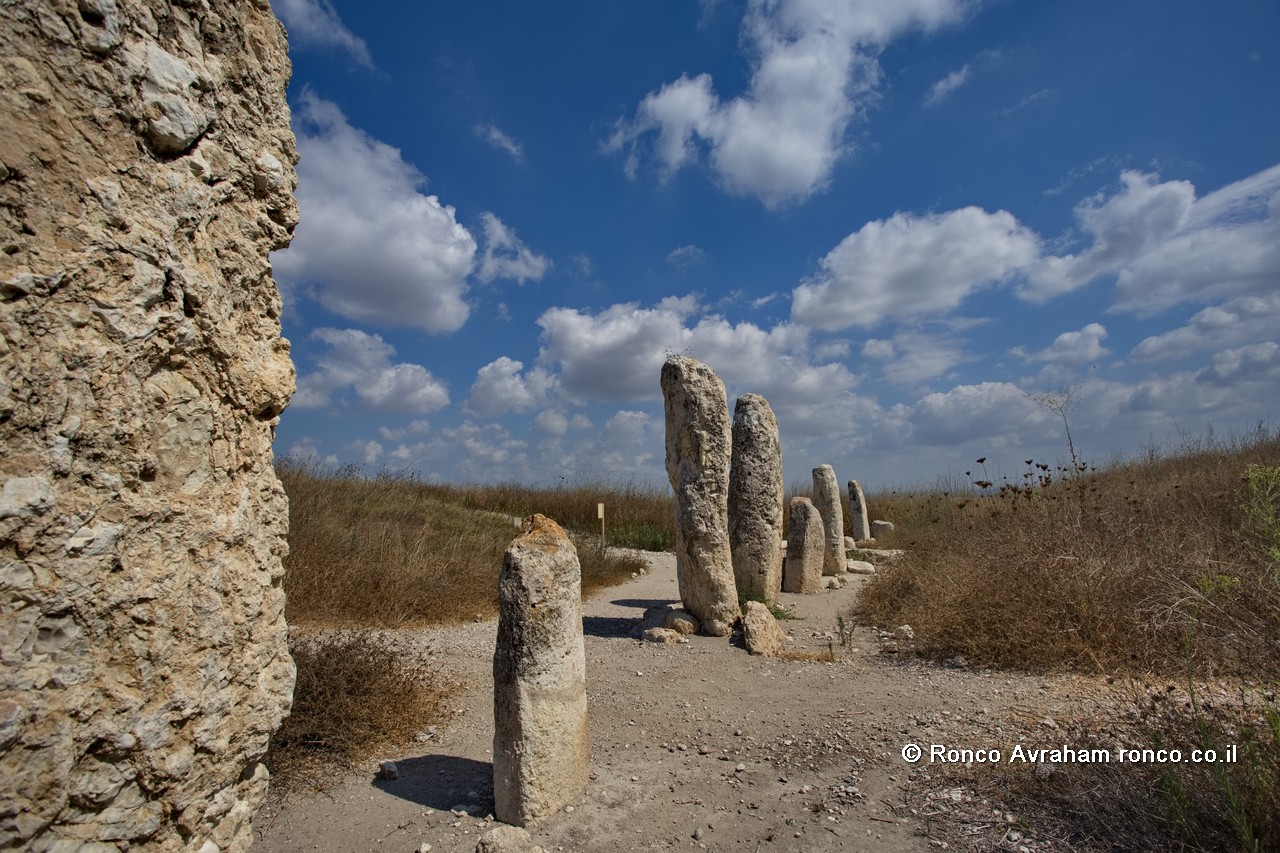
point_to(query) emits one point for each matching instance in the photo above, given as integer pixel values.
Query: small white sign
(600, 511)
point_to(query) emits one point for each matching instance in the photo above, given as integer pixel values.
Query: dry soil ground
(702, 746)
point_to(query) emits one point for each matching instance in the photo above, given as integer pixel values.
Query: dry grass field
(1164, 571)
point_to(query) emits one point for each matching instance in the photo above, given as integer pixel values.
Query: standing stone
(541, 752)
(826, 497)
(858, 510)
(806, 542)
(698, 444)
(755, 500)
(145, 660)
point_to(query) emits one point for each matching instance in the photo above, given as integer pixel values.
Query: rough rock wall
(147, 170)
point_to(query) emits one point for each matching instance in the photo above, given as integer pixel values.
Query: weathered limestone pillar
(146, 171)
(541, 750)
(826, 497)
(806, 544)
(858, 509)
(755, 500)
(698, 446)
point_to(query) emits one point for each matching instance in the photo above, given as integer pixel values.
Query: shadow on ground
(443, 782)
(644, 603)
(608, 626)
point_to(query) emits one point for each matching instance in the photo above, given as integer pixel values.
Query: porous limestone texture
(146, 170)
(761, 633)
(755, 500)
(698, 447)
(880, 529)
(826, 497)
(858, 512)
(541, 749)
(806, 545)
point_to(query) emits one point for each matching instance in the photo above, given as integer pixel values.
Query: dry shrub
(389, 552)
(356, 692)
(1143, 566)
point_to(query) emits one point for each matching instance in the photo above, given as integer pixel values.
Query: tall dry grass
(1166, 566)
(636, 516)
(390, 551)
(382, 553)
(1107, 570)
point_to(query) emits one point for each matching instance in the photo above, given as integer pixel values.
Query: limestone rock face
(761, 632)
(858, 509)
(755, 500)
(806, 545)
(541, 751)
(142, 373)
(698, 448)
(826, 497)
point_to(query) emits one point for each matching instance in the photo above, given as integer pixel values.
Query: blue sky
(895, 219)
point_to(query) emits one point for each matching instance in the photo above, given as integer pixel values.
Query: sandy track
(698, 739)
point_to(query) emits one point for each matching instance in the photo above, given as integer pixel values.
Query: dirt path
(694, 746)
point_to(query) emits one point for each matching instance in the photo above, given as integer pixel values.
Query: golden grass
(636, 516)
(385, 553)
(392, 552)
(1166, 567)
(1128, 568)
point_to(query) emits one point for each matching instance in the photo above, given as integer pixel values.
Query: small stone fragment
(881, 528)
(388, 770)
(504, 839)
(660, 635)
(760, 631)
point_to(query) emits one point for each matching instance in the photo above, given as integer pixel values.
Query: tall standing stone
(858, 510)
(826, 497)
(541, 751)
(806, 543)
(146, 172)
(755, 500)
(698, 446)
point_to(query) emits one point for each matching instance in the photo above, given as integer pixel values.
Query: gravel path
(696, 745)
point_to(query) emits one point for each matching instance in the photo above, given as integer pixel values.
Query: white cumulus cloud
(369, 245)
(505, 256)
(1241, 320)
(911, 266)
(363, 363)
(813, 70)
(315, 23)
(500, 388)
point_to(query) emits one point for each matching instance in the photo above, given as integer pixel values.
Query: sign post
(600, 515)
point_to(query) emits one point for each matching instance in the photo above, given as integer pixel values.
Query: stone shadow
(645, 603)
(443, 782)
(609, 626)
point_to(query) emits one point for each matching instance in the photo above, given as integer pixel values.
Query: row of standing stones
(729, 495)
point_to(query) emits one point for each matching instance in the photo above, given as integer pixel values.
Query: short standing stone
(803, 570)
(698, 442)
(541, 753)
(881, 528)
(755, 500)
(858, 512)
(761, 632)
(826, 497)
